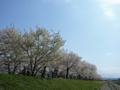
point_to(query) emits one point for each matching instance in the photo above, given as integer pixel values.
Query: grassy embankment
(116, 81)
(19, 82)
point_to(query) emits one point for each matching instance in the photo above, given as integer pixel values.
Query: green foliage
(117, 82)
(18, 82)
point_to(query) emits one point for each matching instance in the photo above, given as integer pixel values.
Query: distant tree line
(39, 53)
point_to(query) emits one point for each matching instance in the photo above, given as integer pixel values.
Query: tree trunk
(9, 71)
(56, 73)
(60, 74)
(52, 74)
(67, 73)
(44, 71)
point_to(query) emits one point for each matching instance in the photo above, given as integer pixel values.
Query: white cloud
(109, 53)
(111, 1)
(109, 13)
(108, 8)
(109, 72)
(115, 1)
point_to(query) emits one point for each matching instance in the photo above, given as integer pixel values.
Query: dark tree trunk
(33, 74)
(71, 77)
(56, 73)
(43, 72)
(52, 74)
(60, 74)
(14, 70)
(15, 67)
(67, 73)
(9, 71)
(79, 76)
(24, 71)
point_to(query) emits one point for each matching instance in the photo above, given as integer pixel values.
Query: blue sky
(91, 28)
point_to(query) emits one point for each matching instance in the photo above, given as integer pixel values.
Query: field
(19, 82)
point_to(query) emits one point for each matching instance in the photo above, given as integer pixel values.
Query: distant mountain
(107, 78)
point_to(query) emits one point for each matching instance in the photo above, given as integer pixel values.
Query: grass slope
(116, 81)
(19, 82)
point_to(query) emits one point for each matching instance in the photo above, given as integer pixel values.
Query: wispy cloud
(107, 6)
(109, 54)
(107, 10)
(109, 72)
(111, 1)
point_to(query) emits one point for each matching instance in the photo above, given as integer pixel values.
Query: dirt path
(105, 87)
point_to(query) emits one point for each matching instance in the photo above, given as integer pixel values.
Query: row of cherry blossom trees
(39, 53)
(71, 66)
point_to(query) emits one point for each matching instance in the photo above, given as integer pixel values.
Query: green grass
(19, 82)
(115, 86)
(117, 82)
